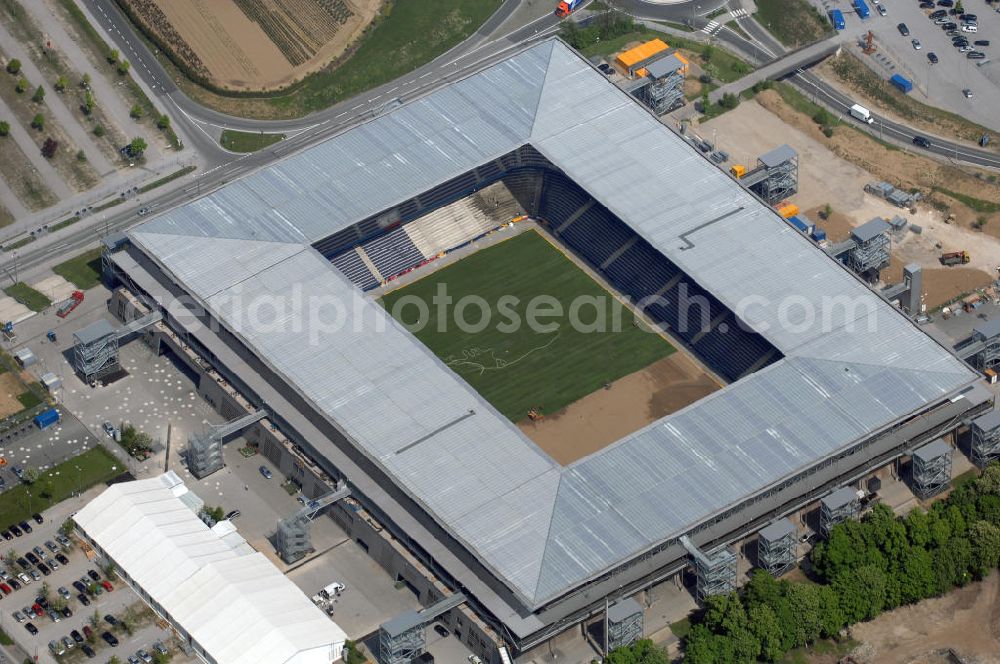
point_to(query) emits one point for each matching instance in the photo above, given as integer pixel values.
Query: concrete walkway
(10, 201)
(784, 65)
(107, 95)
(55, 105)
(41, 165)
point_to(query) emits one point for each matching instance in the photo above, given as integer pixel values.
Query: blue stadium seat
(393, 253)
(354, 269)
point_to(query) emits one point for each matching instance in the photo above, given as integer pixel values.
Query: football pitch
(514, 365)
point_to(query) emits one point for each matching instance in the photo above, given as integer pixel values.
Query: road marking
(711, 28)
(357, 107)
(739, 13)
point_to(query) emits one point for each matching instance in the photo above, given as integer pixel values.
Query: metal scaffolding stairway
(715, 571)
(293, 541)
(204, 452)
(401, 639)
(95, 349)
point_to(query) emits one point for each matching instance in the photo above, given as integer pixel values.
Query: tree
(136, 112)
(81, 156)
(216, 513)
(804, 603)
(21, 85)
(701, 646)
(95, 619)
(918, 528)
(39, 95)
(123, 67)
(767, 631)
(163, 121)
(61, 83)
(46, 590)
(138, 146)
(99, 131)
(10, 557)
(67, 528)
(160, 658)
(642, 651)
(14, 66)
(918, 579)
(85, 81)
(49, 149)
(352, 655)
(984, 537)
(4, 128)
(831, 615)
(114, 660)
(113, 56)
(88, 103)
(862, 593)
(729, 101)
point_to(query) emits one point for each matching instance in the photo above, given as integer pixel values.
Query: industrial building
(227, 602)
(445, 493)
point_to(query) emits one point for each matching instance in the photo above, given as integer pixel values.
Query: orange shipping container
(627, 59)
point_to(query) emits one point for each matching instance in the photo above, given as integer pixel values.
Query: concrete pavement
(40, 164)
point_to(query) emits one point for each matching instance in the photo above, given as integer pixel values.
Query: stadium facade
(826, 381)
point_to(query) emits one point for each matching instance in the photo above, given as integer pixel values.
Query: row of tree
(864, 568)
(606, 26)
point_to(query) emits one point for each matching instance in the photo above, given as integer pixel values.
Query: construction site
(355, 431)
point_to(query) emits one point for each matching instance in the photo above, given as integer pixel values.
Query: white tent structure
(229, 601)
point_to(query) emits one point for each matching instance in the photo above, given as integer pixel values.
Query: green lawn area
(83, 271)
(247, 141)
(681, 628)
(513, 366)
(793, 22)
(29, 399)
(58, 483)
(28, 296)
(721, 64)
(964, 478)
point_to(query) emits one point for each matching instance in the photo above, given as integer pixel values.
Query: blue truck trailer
(861, 7)
(902, 84)
(837, 18)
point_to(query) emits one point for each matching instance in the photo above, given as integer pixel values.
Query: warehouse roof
(232, 600)
(540, 527)
(932, 450)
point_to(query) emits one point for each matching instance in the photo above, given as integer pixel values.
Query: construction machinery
(955, 258)
(67, 307)
(786, 209)
(868, 44)
(738, 170)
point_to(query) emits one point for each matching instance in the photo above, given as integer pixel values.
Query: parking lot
(938, 84)
(23, 600)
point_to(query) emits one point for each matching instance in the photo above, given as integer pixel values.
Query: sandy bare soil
(255, 44)
(10, 387)
(627, 405)
(967, 620)
(834, 171)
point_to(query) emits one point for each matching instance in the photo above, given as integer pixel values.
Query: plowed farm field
(253, 45)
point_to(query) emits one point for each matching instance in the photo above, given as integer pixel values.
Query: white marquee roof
(232, 600)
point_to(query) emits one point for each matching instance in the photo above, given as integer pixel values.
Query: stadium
(797, 379)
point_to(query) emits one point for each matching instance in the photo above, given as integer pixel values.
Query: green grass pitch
(517, 368)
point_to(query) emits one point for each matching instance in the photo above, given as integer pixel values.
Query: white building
(229, 601)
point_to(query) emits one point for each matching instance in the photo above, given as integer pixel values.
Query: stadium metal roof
(231, 599)
(540, 527)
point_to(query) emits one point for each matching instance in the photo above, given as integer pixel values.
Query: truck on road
(862, 113)
(567, 7)
(955, 258)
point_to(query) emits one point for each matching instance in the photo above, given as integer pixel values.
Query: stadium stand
(393, 253)
(448, 227)
(353, 267)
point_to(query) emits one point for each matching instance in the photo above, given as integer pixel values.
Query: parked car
(880, 9)
(605, 69)
(903, 30)
(19, 617)
(23, 564)
(88, 651)
(940, 13)
(32, 558)
(38, 518)
(83, 599)
(56, 648)
(35, 575)
(31, 628)
(933, 58)
(63, 560)
(927, 5)
(76, 636)
(66, 612)
(14, 529)
(25, 579)
(87, 632)
(51, 546)
(53, 565)
(44, 569)
(981, 42)
(24, 526)
(54, 615)
(68, 642)
(107, 585)
(951, 25)
(975, 55)
(63, 541)
(93, 575)
(232, 515)
(18, 471)
(111, 620)
(7, 535)
(6, 589)
(82, 587)
(15, 584)
(916, 44)
(144, 656)
(441, 630)
(265, 472)
(971, 29)
(110, 639)
(160, 648)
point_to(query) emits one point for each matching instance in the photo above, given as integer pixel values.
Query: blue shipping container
(837, 18)
(903, 84)
(47, 419)
(800, 225)
(819, 234)
(861, 7)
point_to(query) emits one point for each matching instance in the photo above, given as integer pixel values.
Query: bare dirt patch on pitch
(624, 406)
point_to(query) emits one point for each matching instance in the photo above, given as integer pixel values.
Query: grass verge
(517, 365)
(793, 22)
(719, 64)
(5, 639)
(58, 483)
(247, 141)
(407, 35)
(83, 271)
(165, 179)
(29, 399)
(28, 296)
(681, 628)
(977, 204)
